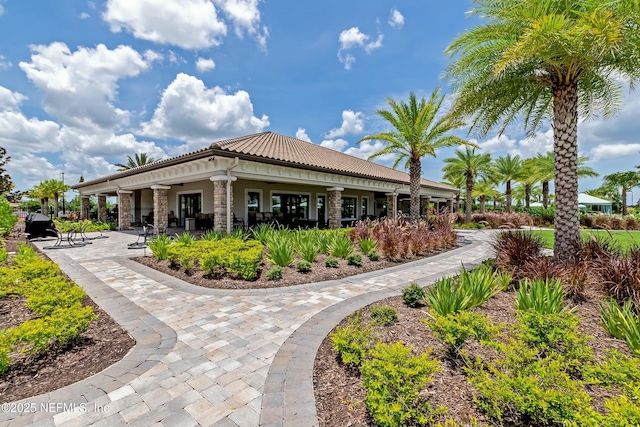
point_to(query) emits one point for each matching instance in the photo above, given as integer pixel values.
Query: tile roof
(274, 146)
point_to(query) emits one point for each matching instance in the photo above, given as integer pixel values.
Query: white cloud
(354, 38)
(396, 19)
(19, 134)
(81, 87)
(245, 16)
(498, 144)
(301, 133)
(79, 164)
(192, 112)
(335, 144)
(32, 169)
(367, 148)
(205, 64)
(609, 151)
(351, 123)
(1, 8)
(190, 24)
(5, 64)
(106, 144)
(85, 15)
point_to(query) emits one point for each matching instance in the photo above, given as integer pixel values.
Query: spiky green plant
(622, 323)
(160, 246)
(544, 296)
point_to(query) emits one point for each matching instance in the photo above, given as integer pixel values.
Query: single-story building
(590, 203)
(256, 178)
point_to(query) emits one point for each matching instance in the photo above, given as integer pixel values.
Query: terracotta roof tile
(273, 146)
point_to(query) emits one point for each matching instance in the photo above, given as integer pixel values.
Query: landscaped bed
(275, 257)
(52, 334)
(548, 364)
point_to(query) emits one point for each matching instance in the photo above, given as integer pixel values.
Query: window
(348, 207)
(253, 201)
(290, 206)
(364, 204)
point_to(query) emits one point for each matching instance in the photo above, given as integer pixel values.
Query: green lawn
(623, 237)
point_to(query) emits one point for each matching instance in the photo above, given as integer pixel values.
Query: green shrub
(447, 297)
(275, 273)
(231, 256)
(481, 284)
(4, 255)
(160, 246)
(622, 323)
(355, 259)
(7, 218)
(454, 329)
(384, 315)
(303, 266)
(543, 296)
(340, 246)
(368, 245)
(413, 294)
(263, 233)
(307, 247)
(331, 262)
(281, 251)
(352, 342)
(374, 256)
(393, 380)
(555, 333)
(185, 238)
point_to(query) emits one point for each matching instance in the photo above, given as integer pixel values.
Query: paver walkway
(211, 357)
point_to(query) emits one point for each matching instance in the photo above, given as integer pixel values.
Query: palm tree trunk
(56, 205)
(415, 172)
(467, 208)
(545, 194)
(527, 195)
(565, 150)
(623, 199)
(482, 203)
(45, 206)
(508, 194)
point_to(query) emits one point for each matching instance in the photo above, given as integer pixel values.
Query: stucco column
(160, 207)
(222, 202)
(392, 208)
(102, 208)
(124, 209)
(424, 207)
(85, 207)
(334, 203)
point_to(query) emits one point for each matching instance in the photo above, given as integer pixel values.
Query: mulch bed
(339, 393)
(291, 276)
(103, 344)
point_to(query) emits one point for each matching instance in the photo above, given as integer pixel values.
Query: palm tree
(38, 193)
(523, 193)
(528, 180)
(54, 188)
(624, 181)
(545, 59)
(543, 170)
(456, 182)
(470, 165)
(485, 189)
(140, 159)
(508, 169)
(418, 132)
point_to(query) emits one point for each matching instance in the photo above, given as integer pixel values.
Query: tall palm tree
(546, 59)
(140, 159)
(470, 165)
(418, 131)
(523, 193)
(54, 189)
(543, 171)
(485, 189)
(528, 180)
(624, 181)
(456, 182)
(39, 193)
(508, 169)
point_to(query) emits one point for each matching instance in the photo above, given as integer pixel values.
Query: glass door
(190, 205)
(321, 209)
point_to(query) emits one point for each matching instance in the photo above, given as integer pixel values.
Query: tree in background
(485, 189)
(140, 159)
(6, 184)
(537, 60)
(508, 169)
(623, 181)
(471, 165)
(418, 132)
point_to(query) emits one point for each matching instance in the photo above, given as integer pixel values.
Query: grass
(625, 238)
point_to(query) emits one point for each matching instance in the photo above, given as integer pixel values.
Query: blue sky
(83, 84)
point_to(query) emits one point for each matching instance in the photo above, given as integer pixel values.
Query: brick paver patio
(210, 357)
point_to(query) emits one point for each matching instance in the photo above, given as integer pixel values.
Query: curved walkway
(210, 357)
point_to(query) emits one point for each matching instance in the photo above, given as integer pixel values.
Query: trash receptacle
(189, 224)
